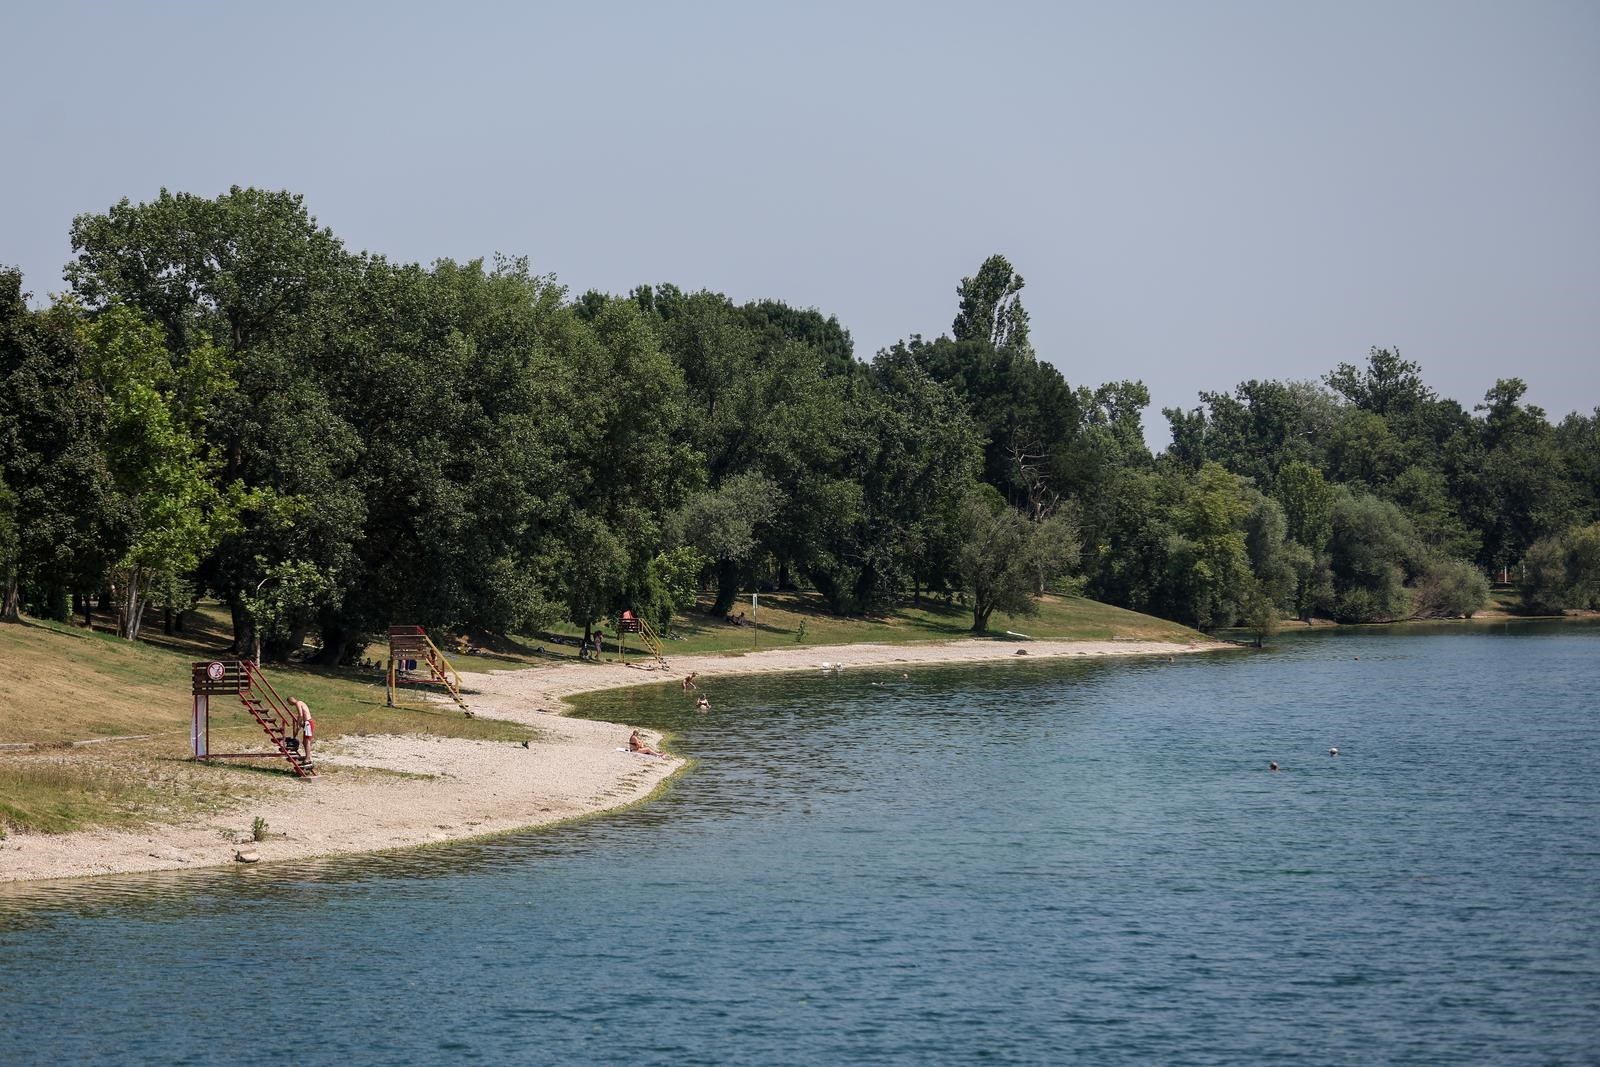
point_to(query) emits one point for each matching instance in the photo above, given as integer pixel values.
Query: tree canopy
(229, 402)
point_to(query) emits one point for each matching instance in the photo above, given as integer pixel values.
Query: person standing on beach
(306, 725)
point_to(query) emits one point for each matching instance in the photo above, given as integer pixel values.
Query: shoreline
(405, 791)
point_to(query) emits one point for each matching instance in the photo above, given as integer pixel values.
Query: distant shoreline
(1303, 625)
(397, 792)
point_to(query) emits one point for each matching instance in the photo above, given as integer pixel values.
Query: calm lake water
(1019, 863)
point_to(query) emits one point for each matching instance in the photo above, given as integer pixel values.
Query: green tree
(252, 271)
(671, 583)
(1388, 386)
(1424, 495)
(244, 267)
(1208, 562)
(1128, 533)
(10, 551)
(632, 467)
(1562, 571)
(1449, 589)
(722, 525)
(1524, 493)
(1273, 558)
(1255, 430)
(158, 465)
(991, 308)
(1261, 615)
(1372, 551)
(52, 432)
(892, 509)
(1002, 555)
(1578, 440)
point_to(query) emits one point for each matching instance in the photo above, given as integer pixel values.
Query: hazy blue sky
(1197, 194)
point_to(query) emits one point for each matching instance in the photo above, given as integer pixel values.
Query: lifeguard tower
(415, 660)
(629, 623)
(241, 678)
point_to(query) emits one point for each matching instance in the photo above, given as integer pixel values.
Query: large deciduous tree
(161, 471)
(1002, 556)
(52, 436)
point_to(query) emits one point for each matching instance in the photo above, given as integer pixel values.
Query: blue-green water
(1018, 863)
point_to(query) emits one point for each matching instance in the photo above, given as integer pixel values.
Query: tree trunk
(828, 586)
(244, 628)
(131, 607)
(9, 608)
(88, 612)
(58, 604)
(166, 620)
(727, 587)
(981, 610)
(279, 651)
(336, 646)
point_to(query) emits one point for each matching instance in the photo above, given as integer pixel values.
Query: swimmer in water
(1272, 766)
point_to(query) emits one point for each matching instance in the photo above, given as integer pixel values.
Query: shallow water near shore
(1025, 862)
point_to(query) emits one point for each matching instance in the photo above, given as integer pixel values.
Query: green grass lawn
(1507, 599)
(788, 619)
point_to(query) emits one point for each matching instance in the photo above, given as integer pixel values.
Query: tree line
(227, 401)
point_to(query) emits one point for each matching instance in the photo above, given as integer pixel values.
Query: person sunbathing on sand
(637, 744)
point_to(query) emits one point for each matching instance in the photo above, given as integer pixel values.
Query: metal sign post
(755, 618)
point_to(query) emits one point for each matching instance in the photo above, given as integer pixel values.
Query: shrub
(258, 829)
(1449, 589)
(1385, 601)
(1562, 572)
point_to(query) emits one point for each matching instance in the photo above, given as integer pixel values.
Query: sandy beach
(404, 791)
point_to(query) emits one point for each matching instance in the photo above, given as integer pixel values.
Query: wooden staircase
(408, 643)
(271, 712)
(638, 624)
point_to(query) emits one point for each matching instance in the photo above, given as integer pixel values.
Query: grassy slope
(60, 683)
(781, 615)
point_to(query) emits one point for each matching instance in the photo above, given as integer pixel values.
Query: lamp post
(258, 622)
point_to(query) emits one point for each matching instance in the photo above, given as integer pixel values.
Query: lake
(1025, 862)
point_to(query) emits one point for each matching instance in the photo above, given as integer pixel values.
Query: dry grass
(57, 790)
(62, 684)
